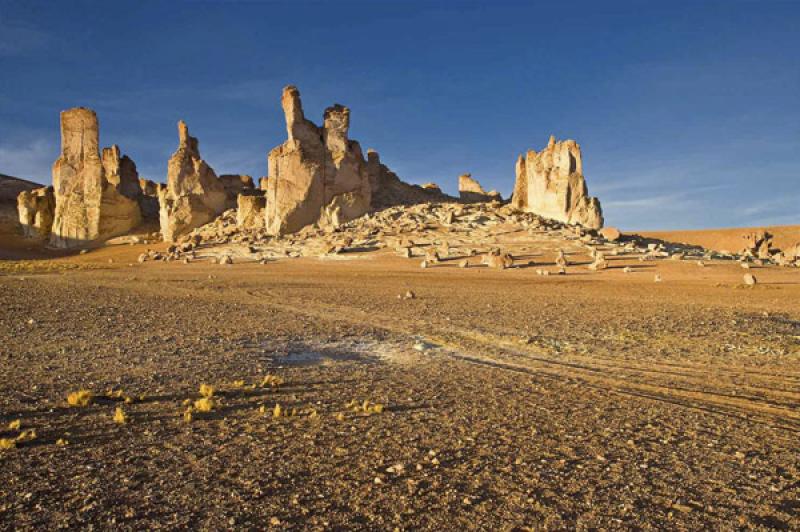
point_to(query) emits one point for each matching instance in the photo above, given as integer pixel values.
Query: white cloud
(31, 160)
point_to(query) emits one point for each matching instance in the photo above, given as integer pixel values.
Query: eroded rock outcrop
(36, 210)
(194, 195)
(551, 184)
(96, 198)
(318, 170)
(234, 185)
(148, 201)
(250, 210)
(389, 190)
(471, 191)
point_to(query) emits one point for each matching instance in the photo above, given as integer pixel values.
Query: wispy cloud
(31, 160)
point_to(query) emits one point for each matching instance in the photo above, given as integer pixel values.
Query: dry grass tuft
(7, 443)
(207, 390)
(273, 381)
(206, 404)
(26, 435)
(80, 398)
(187, 416)
(62, 442)
(277, 411)
(119, 416)
(15, 425)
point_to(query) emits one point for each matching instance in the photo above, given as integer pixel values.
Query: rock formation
(388, 189)
(551, 184)
(317, 169)
(10, 189)
(470, 191)
(96, 198)
(194, 195)
(148, 201)
(36, 210)
(234, 185)
(250, 210)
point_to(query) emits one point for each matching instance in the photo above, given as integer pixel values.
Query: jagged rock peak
(551, 184)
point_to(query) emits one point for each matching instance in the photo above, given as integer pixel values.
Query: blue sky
(688, 113)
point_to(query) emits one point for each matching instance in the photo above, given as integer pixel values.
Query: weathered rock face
(36, 210)
(148, 201)
(96, 198)
(316, 169)
(10, 189)
(470, 191)
(551, 184)
(250, 211)
(194, 195)
(389, 190)
(263, 183)
(234, 185)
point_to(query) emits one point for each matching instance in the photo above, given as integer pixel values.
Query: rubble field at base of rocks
(433, 235)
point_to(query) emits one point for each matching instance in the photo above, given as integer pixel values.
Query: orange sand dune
(729, 239)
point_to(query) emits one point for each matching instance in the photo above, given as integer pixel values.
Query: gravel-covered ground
(512, 401)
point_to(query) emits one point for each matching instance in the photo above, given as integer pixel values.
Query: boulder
(96, 197)
(551, 184)
(470, 191)
(317, 170)
(36, 210)
(234, 185)
(250, 211)
(610, 234)
(194, 195)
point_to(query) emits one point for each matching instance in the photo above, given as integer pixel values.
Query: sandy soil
(785, 236)
(512, 401)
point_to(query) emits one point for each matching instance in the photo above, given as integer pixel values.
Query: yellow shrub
(7, 443)
(277, 411)
(26, 435)
(272, 381)
(119, 416)
(80, 398)
(206, 390)
(206, 404)
(15, 425)
(61, 442)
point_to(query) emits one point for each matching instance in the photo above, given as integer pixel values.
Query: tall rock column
(551, 184)
(194, 195)
(318, 175)
(89, 206)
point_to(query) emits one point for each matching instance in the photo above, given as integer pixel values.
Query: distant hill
(728, 239)
(10, 187)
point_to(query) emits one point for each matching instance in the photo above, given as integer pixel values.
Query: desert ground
(508, 400)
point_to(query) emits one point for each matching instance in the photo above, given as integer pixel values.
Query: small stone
(749, 279)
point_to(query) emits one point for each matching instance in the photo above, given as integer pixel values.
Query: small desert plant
(238, 384)
(340, 416)
(273, 381)
(119, 416)
(26, 435)
(206, 404)
(7, 443)
(15, 425)
(187, 416)
(207, 390)
(62, 442)
(277, 411)
(80, 398)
